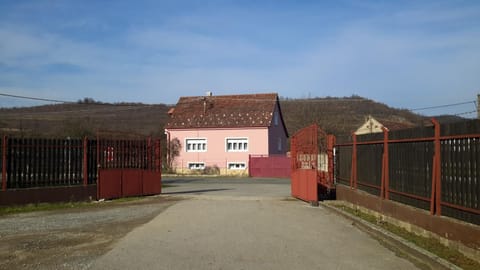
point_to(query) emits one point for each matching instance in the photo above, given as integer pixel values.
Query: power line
(73, 102)
(442, 106)
(465, 113)
(35, 98)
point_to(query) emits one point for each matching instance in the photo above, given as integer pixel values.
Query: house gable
(229, 111)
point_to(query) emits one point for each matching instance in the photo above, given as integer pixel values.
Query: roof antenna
(207, 94)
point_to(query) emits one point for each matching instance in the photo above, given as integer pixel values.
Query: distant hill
(339, 116)
(84, 119)
(342, 116)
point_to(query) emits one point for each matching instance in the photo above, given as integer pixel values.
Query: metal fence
(34, 162)
(433, 168)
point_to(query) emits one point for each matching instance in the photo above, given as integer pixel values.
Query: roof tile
(255, 110)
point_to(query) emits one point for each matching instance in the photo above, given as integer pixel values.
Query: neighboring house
(372, 125)
(222, 131)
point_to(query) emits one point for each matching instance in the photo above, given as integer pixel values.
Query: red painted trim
(425, 139)
(463, 208)
(425, 199)
(385, 161)
(368, 185)
(438, 174)
(465, 136)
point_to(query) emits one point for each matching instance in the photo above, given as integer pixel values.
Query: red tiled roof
(254, 110)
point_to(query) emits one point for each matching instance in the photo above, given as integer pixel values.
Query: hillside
(339, 116)
(83, 119)
(342, 116)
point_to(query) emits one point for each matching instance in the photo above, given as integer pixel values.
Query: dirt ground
(72, 238)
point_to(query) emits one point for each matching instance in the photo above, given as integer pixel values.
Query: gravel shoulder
(72, 238)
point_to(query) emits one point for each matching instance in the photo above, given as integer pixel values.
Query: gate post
(435, 200)
(330, 145)
(385, 170)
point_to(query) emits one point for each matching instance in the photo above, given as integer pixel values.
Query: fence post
(385, 170)
(436, 175)
(85, 161)
(149, 154)
(4, 163)
(330, 168)
(158, 161)
(353, 175)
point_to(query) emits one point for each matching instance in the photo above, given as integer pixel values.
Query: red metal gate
(128, 168)
(312, 164)
(276, 166)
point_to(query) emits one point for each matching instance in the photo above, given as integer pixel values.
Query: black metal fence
(34, 162)
(403, 166)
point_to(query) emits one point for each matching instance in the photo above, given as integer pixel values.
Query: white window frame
(238, 144)
(242, 165)
(196, 165)
(194, 147)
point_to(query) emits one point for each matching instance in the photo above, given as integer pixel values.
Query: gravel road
(195, 224)
(71, 238)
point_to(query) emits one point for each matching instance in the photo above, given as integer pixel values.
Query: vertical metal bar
(432, 197)
(330, 146)
(149, 153)
(385, 170)
(85, 161)
(4, 163)
(98, 154)
(157, 156)
(353, 175)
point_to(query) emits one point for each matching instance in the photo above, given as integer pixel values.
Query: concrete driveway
(246, 224)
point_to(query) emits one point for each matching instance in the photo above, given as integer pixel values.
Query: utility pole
(478, 106)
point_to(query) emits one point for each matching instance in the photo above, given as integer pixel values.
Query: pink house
(222, 131)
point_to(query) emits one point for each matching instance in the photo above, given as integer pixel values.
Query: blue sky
(407, 54)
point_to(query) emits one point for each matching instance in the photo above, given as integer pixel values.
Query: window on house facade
(196, 145)
(237, 144)
(196, 165)
(236, 166)
(279, 144)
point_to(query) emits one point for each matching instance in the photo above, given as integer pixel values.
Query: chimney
(170, 112)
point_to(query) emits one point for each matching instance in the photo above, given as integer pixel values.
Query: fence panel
(43, 162)
(460, 170)
(369, 159)
(411, 170)
(128, 168)
(270, 166)
(343, 164)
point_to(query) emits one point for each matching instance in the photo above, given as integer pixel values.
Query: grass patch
(168, 185)
(35, 207)
(430, 244)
